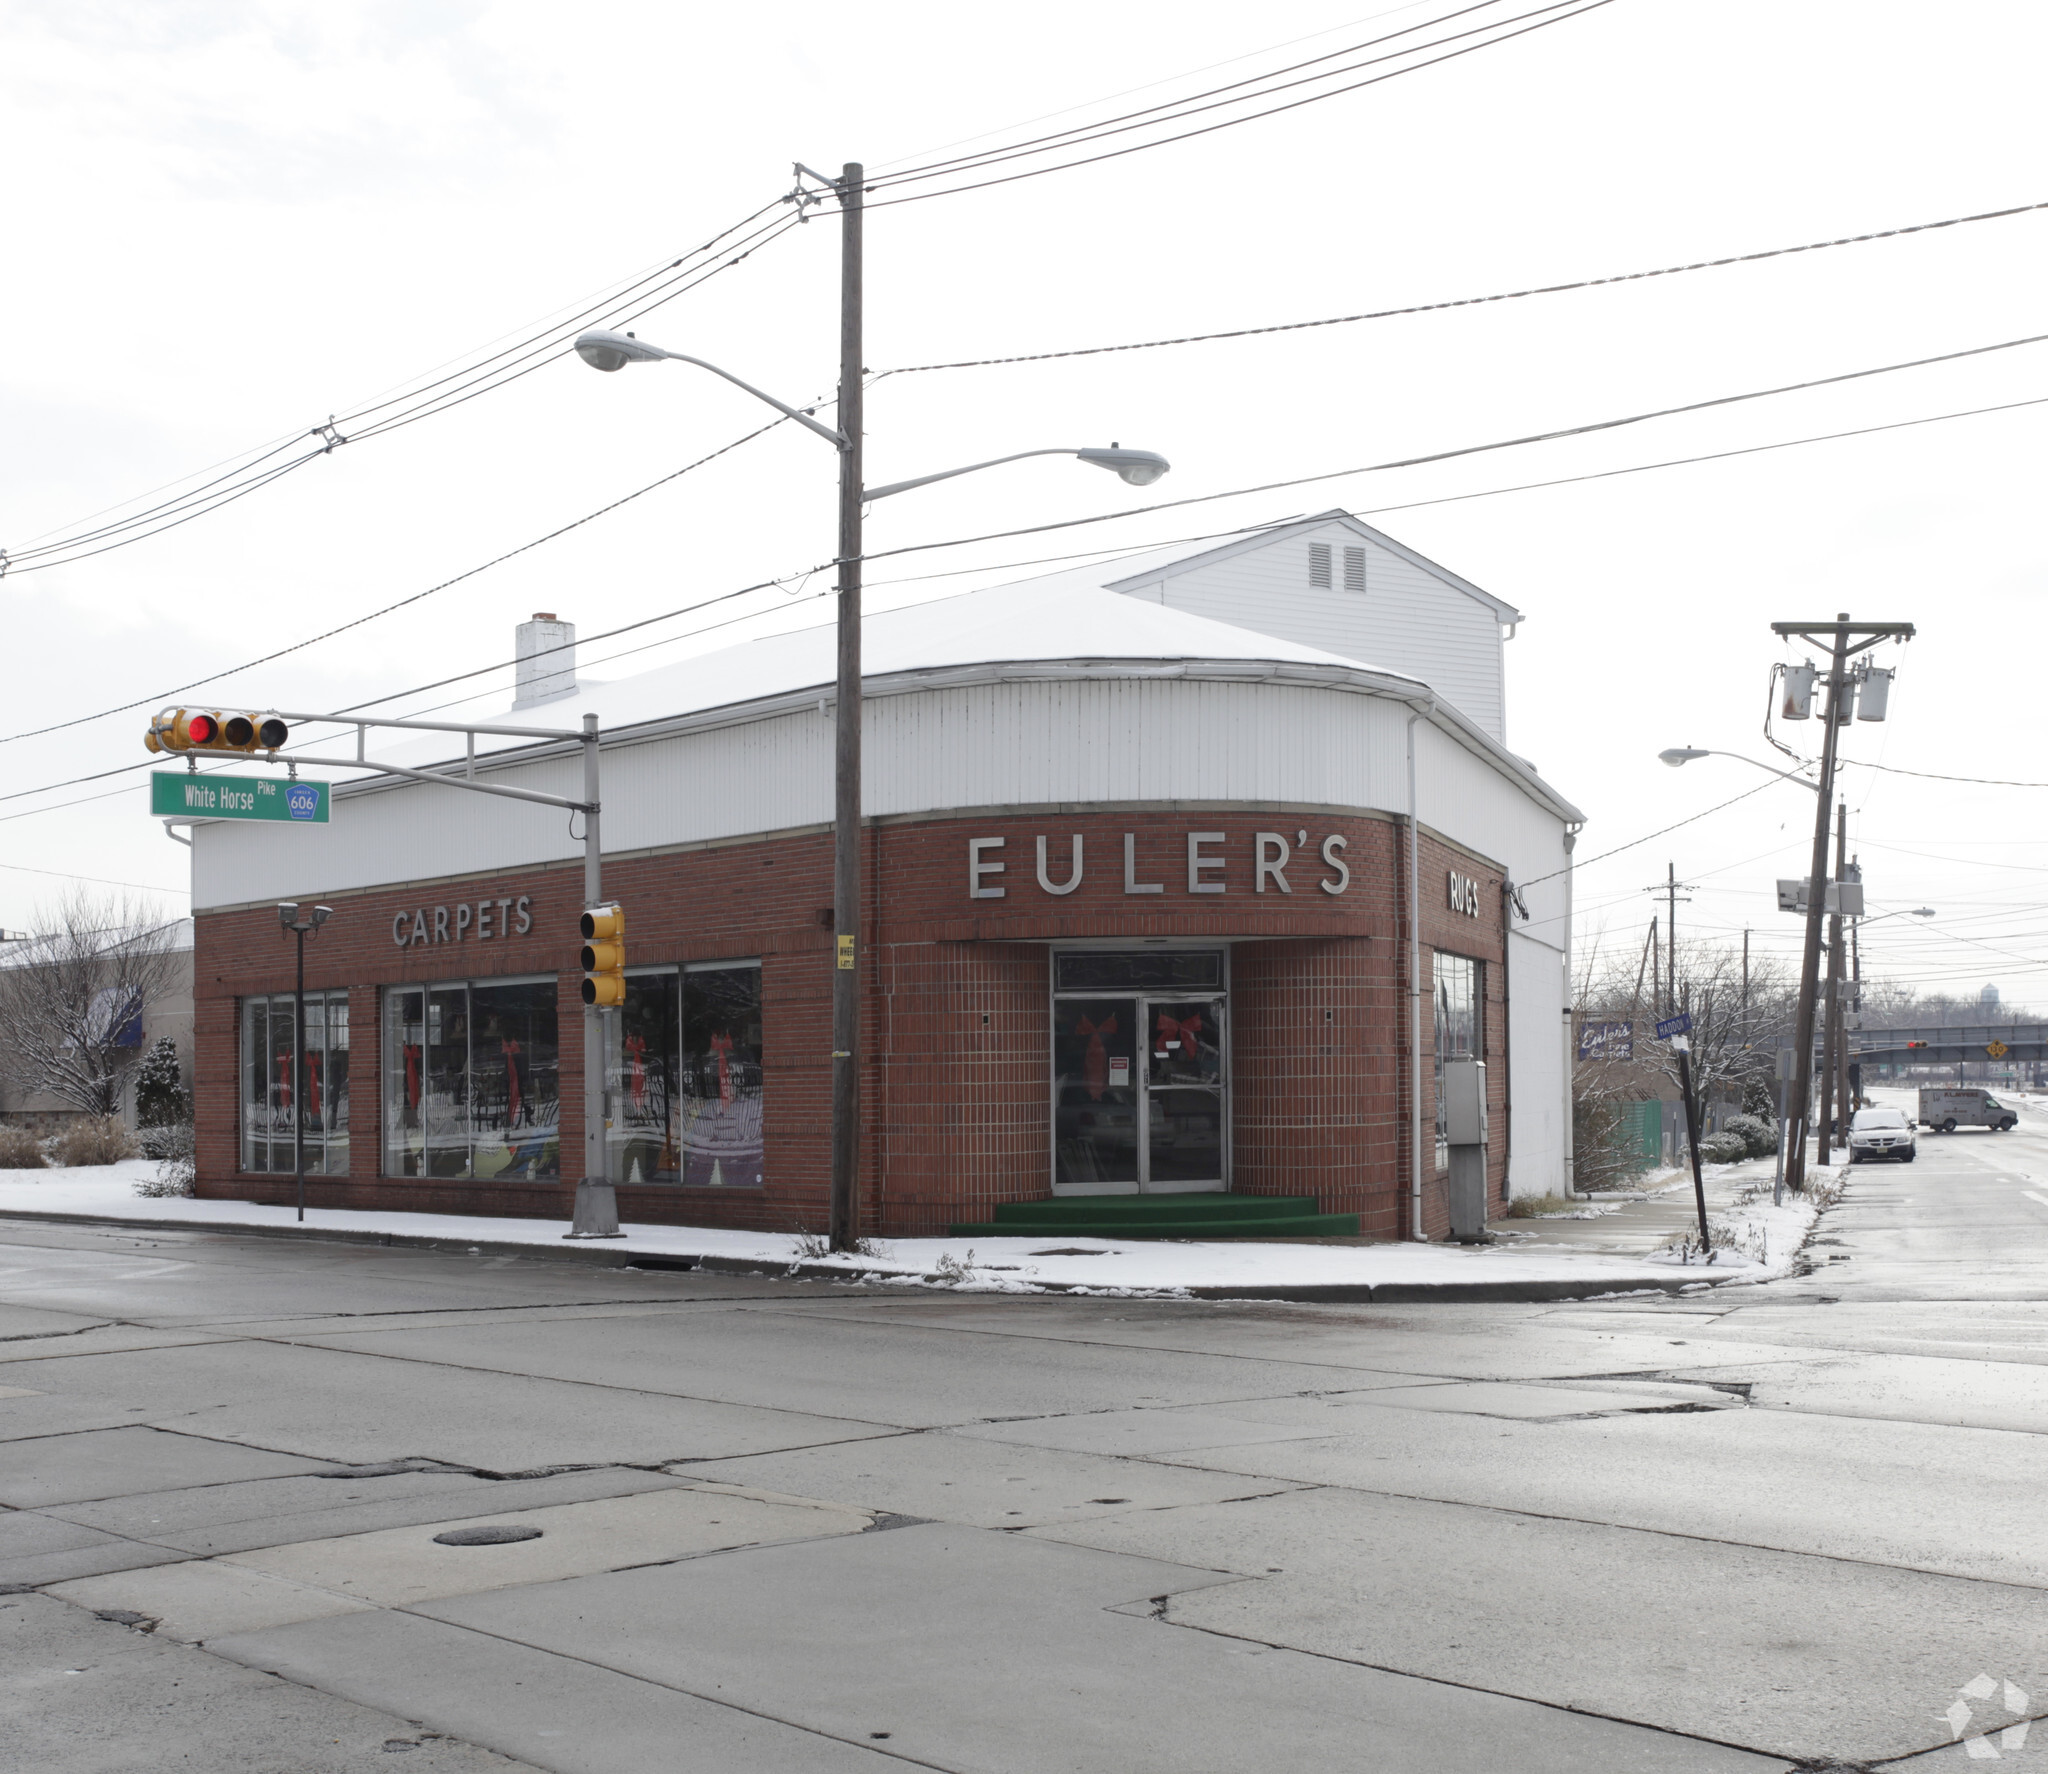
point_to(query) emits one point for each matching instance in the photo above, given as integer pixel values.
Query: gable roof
(1170, 563)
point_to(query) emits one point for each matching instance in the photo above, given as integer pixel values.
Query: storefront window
(271, 1104)
(1460, 1028)
(470, 1080)
(686, 1078)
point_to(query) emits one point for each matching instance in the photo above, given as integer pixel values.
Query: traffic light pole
(597, 1203)
(596, 1213)
(1842, 638)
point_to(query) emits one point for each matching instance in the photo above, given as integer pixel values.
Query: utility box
(1464, 1089)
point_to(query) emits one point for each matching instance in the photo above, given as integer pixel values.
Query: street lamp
(1684, 754)
(294, 925)
(612, 351)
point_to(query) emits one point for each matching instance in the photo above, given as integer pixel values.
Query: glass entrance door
(1183, 1094)
(1138, 1093)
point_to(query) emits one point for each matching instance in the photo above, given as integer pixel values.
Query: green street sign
(184, 795)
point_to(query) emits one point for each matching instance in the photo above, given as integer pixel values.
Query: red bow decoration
(512, 1100)
(1174, 1034)
(1095, 1062)
(636, 1062)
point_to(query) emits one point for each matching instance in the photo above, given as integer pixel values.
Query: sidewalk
(1617, 1252)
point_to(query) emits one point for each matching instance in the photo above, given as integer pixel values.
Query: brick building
(1143, 914)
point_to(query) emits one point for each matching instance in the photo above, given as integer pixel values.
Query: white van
(1952, 1106)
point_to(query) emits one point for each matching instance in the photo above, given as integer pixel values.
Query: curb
(602, 1255)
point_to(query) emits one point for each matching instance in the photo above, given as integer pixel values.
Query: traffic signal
(1912, 1044)
(604, 956)
(190, 730)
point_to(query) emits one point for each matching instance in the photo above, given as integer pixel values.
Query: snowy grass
(1750, 1236)
(984, 1265)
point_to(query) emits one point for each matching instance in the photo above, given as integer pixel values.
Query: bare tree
(1737, 1026)
(71, 995)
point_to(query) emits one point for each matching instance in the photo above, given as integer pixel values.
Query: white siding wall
(997, 744)
(1536, 1038)
(1407, 621)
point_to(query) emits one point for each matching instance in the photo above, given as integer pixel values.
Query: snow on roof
(1062, 616)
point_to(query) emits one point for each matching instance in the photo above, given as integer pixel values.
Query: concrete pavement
(793, 1525)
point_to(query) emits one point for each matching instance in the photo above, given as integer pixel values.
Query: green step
(1207, 1205)
(1207, 1214)
(1313, 1225)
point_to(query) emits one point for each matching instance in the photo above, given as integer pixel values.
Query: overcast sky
(227, 221)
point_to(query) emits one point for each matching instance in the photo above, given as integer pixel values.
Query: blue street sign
(1681, 1024)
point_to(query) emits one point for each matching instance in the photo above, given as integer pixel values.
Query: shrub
(170, 1139)
(93, 1139)
(174, 1148)
(1723, 1148)
(1756, 1133)
(20, 1149)
(160, 1094)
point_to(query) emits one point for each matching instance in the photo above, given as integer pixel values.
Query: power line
(1510, 443)
(1149, 85)
(21, 868)
(420, 401)
(387, 609)
(1647, 837)
(1936, 776)
(1168, 505)
(1515, 295)
(1569, 480)
(1169, 109)
(1189, 108)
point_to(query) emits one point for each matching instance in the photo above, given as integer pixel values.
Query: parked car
(1949, 1107)
(1881, 1133)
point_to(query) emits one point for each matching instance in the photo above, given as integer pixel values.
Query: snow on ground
(999, 1265)
(1766, 1236)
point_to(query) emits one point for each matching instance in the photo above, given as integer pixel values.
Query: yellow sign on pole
(846, 953)
(1997, 1049)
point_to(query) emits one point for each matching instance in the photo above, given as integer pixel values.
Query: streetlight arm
(604, 350)
(1685, 754)
(925, 480)
(836, 439)
(1138, 468)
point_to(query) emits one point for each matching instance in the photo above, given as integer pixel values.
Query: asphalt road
(796, 1526)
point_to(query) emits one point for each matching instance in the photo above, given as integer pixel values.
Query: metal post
(1571, 1186)
(1692, 1135)
(597, 1203)
(1816, 907)
(1839, 970)
(1414, 995)
(1833, 1105)
(846, 803)
(299, 1068)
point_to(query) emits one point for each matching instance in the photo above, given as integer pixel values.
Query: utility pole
(846, 806)
(1671, 935)
(1831, 1103)
(1841, 637)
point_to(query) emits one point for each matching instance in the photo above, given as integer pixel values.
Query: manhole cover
(485, 1536)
